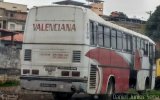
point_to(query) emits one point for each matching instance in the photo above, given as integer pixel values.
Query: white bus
(70, 49)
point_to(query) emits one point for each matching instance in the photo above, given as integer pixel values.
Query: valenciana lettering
(54, 27)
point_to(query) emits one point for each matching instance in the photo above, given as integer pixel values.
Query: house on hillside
(12, 23)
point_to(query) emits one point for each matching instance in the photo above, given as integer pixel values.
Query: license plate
(47, 85)
(50, 68)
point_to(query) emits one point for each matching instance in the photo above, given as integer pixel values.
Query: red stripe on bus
(111, 58)
(137, 60)
(121, 79)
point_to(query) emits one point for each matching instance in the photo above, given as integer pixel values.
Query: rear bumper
(53, 84)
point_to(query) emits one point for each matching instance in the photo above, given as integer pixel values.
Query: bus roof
(99, 19)
(95, 17)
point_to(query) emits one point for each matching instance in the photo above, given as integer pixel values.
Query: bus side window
(138, 43)
(107, 37)
(119, 40)
(146, 48)
(125, 42)
(142, 44)
(113, 39)
(100, 35)
(151, 51)
(134, 43)
(93, 33)
(129, 43)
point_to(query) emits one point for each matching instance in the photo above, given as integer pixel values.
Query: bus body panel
(109, 62)
(41, 27)
(59, 45)
(44, 55)
(51, 68)
(57, 49)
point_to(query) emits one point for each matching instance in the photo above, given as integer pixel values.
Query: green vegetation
(152, 29)
(132, 91)
(10, 83)
(153, 25)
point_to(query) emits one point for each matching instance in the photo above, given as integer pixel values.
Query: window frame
(93, 33)
(146, 47)
(124, 39)
(114, 36)
(134, 43)
(119, 37)
(102, 34)
(129, 43)
(107, 36)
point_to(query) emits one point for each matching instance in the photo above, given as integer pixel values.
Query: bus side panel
(114, 65)
(121, 79)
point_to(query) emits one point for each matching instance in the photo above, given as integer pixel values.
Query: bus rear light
(74, 73)
(26, 71)
(65, 73)
(35, 72)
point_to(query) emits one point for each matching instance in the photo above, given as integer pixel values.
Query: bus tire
(157, 83)
(110, 91)
(141, 92)
(62, 96)
(147, 83)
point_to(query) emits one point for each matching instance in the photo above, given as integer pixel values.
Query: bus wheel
(110, 91)
(157, 83)
(147, 83)
(141, 92)
(62, 96)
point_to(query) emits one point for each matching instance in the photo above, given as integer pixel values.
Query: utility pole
(149, 12)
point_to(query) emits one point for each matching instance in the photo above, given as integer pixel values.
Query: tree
(153, 25)
(153, 29)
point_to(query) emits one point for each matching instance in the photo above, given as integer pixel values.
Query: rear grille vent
(93, 77)
(76, 56)
(27, 55)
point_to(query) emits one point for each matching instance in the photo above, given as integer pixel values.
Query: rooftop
(71, 2)
(13, 6)
(95, 1)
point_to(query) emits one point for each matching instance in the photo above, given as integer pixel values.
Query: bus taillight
(35, 72)
(75, 73)
(26, 71)
(65, 73)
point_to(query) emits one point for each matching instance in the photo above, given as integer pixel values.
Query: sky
(132, 8)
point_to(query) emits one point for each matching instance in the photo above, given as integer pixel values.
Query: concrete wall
(2, 12)
(9, 58)
(20, 16)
